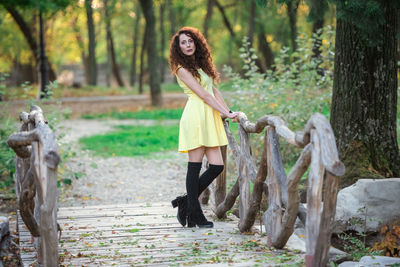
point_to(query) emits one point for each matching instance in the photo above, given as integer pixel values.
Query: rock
(378, 261)
(374, 199)
(4, 227)
(298, 242)
(368, 261)
(348, 264)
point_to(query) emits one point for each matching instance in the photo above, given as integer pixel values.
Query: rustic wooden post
(274, 214)
(324, 239)
(255, 199)
(244, 182)
(220, 182)
(38, 179)
(314, 198)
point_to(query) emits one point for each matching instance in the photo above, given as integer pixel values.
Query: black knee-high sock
(208, 176)
(192, 186)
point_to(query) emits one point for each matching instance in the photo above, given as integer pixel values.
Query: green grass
(131, 141)
(156, 114)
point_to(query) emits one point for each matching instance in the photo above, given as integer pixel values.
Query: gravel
(156, 178)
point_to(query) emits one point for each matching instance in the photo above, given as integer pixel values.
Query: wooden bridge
(150, 234)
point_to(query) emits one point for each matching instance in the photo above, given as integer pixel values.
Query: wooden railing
(36, 162)
(319, 152)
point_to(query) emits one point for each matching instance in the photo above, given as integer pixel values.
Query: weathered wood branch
(228, 202)
(329, 153)
(314, 196)
(270, 120)
(37, 181)
(255, 199)
(276, 174)
(27, 203)
(324, 238)
(292, 206)
(320, 152)
(220, 182)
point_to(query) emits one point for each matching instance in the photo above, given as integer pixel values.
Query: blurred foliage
(292, 91)
(368, 16)
(7, 168)
(63, 48)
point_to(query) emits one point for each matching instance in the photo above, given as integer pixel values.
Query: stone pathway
(119, 179)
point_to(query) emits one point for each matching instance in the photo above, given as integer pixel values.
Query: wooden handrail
(36, 162)
(319, 152)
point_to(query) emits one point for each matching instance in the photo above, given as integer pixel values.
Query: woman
(201, 131)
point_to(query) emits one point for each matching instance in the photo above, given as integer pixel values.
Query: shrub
(298, 86)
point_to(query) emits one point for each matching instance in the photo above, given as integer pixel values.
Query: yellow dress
(200, 124)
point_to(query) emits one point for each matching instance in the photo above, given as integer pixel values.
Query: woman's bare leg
(197, 154)
(214, 155)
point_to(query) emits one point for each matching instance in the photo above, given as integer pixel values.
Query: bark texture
(110, 46)
(92, 44)
(364, 100)
(152, 53)
(132, 73)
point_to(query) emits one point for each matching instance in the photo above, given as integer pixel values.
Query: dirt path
(119, 179)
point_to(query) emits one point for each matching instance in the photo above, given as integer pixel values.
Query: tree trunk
(81, 45)
(92, 44)
(252, 17)
(29, 37)
(292, 14)
(265, 50)
(132, 72)
(162, 48)
(110, 46)
(226, 21)
(172, 18)
(142, 53)
(152, 57)
(207, 19)
(44, 81)
(364, 100)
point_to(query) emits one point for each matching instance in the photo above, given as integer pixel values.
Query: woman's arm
(219, 98)
(186, 77)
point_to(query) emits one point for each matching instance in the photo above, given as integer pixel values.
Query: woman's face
(186, 43)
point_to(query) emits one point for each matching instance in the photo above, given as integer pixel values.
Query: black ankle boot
(181, 203)
(198, 218)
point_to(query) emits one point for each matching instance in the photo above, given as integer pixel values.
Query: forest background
(275, 57)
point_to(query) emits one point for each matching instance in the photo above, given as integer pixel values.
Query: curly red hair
(202, 55)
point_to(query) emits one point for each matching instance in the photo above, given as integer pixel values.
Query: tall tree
(92, 67)
(152, 55)
(364, 101)
(162, 41)
(27, 30)
(318, 9)
(252, 19)
(207, 19)
(142, 63)
(110, 46)
(172, 19)
(264, 48)
(44, 77)
(132, 72)
(291, 8)
(81, 46)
